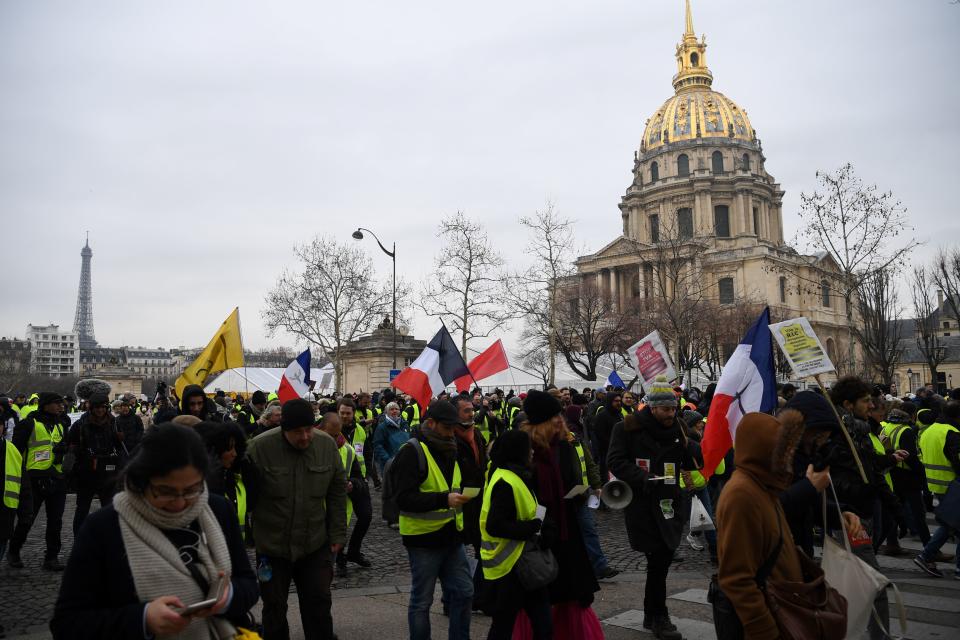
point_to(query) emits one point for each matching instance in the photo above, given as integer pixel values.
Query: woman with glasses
(163, 545)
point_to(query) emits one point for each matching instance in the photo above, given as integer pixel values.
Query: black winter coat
(131, 426)
(654, 518)
(97, 596)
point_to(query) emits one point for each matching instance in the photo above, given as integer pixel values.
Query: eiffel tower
(83, 319)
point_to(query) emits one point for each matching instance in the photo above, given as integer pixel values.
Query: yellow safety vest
(484, 428)
(513, 414)
(893, 431)
(420, 523)
(12, 476)
(498, 555)
(40, 447)
(27, 410)
(878, 447)
(346, 457)
(415, 415)
(583, 462)
(940, 472)
(358, 443)
(241, 490)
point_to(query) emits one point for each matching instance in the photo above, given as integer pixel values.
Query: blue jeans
(449, 564)
(588, 530)
(937, 540)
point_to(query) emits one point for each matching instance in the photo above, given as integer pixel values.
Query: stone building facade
(367, 361)
(703, 205)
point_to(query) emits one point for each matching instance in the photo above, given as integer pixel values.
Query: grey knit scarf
(155, 562)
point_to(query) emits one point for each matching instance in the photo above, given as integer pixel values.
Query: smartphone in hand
(204, 604)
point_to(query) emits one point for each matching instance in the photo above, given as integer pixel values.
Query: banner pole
(843, 428)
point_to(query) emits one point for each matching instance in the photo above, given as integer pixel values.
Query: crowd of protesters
(475, 484)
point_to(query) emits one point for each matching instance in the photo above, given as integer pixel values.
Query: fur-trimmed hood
(765, 446)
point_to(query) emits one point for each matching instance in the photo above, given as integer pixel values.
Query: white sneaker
(694, 543)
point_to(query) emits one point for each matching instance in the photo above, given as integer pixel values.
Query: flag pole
(246, 379)
(843, 428)
(475, 383)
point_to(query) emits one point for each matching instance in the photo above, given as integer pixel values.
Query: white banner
(802, 347)
(650, 359)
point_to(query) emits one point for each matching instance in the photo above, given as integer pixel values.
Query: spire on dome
(692, 71)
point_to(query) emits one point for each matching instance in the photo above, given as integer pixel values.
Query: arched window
(725, 287)
(654, 172)
(655, 228)
(717, 163)
(683, 165)
(685, 223)
(825, 293)
(746, 162)
(783, 289)
(694, 59)
(721, 220)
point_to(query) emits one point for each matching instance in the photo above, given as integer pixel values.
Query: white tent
(249, 379)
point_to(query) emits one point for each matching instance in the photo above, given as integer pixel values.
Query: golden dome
(696, 110)
(696, 113)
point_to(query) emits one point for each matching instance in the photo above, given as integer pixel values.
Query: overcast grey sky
(197, 141)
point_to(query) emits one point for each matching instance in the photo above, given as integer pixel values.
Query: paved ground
(371, 603)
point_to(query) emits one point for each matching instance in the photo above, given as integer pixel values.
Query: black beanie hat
(296, 413)
(815, 408)
(258, 397)
(540, 406)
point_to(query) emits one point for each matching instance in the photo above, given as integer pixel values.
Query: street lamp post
(358, 235)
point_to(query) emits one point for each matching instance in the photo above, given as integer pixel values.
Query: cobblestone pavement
(28, 595)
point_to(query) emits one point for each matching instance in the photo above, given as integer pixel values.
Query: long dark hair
(165, 448)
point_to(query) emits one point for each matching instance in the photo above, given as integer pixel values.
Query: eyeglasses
(166, 494)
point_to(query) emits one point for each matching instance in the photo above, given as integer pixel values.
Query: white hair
(392, 405)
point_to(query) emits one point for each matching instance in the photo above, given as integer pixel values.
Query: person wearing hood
(646, 445)
(96, 444)
(32, 405)
(392, 432)
(250, 413)
(751, 525)
(196, 403)
(608, 415)
(41, 441)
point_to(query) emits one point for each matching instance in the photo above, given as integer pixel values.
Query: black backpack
(391, 479)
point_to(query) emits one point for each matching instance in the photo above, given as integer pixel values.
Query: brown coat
(747, 520)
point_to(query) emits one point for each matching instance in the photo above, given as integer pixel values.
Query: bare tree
(534, 293)
(678, 295)
(588, 328)
(330, 301)
(466, 287)
(924, 307)
(858, 226)
(946, 275)
(880, 328)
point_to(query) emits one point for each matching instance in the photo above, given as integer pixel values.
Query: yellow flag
(225, 351)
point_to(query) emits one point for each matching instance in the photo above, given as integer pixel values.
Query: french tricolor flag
(436, 367)
(747, 384)
(296, 379)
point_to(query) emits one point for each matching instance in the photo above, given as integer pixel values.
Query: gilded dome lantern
(695, 110)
